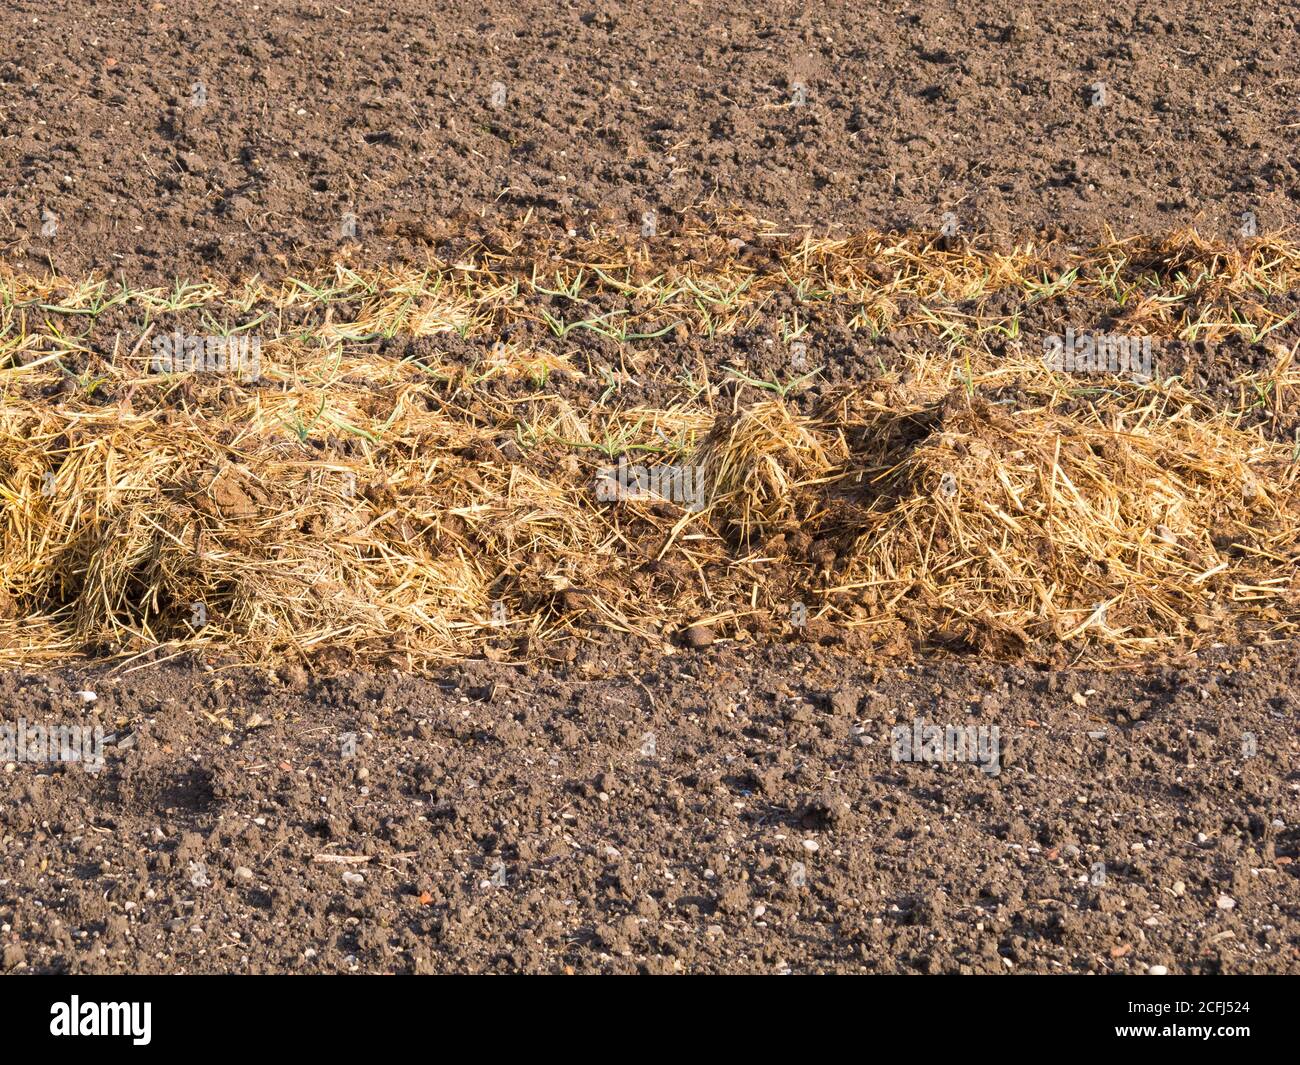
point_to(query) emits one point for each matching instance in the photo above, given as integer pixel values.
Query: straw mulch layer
(415, 507)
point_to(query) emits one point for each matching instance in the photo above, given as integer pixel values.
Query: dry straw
(415, 504)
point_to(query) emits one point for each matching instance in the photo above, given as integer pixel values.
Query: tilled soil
(178, 139)
(730, 808)
(720, 810)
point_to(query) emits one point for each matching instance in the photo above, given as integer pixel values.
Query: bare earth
(729, 808)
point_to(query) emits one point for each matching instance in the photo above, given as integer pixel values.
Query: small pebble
(699, 636)
(811, 846)
(1226, 902)
(1157, 970)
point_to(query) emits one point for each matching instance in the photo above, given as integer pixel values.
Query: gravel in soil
(718, 810)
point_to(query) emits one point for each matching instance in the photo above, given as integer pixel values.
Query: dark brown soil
(309, 111)
(523, 822)
(508, 819)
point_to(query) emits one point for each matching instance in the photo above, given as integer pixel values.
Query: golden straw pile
(414, 504)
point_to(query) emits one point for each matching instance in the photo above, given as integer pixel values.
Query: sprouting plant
(1008, 327)
(569, 290)
(612, 384)
(968, 376)
(1263, 394)
(302, 429)
(791, 331)
(1048, 288)
(562, 329)
(780, 388)
(222, 330)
